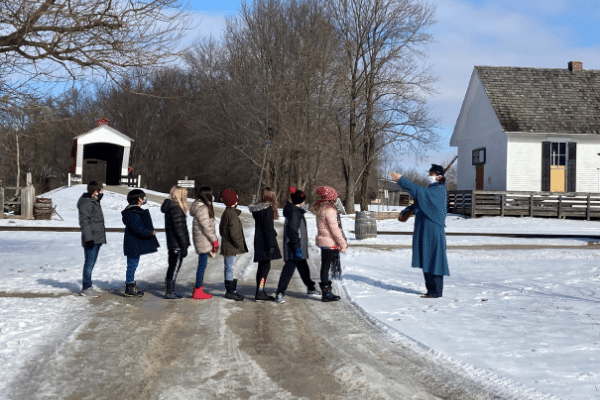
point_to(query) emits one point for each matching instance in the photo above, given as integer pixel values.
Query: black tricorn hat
(438, 169)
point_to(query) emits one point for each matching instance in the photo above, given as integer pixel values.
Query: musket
(449, 165)
(404, 217)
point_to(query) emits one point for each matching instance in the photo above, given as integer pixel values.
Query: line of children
(140, 238)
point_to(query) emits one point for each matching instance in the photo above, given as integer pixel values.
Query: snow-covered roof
(104, 134)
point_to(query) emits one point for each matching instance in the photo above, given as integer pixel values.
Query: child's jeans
(229, 261)
(202, 261)
(132, 264)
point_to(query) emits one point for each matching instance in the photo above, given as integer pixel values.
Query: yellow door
(557, 178)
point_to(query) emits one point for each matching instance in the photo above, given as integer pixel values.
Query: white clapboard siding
(524, 163)
(476, 128)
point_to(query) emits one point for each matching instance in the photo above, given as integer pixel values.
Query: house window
(558, 154)
(478, 156)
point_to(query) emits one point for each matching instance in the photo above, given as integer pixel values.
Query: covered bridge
(101, 154)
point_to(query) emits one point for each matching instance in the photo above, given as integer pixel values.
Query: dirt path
(151, 348)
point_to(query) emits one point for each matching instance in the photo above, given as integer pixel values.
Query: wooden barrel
(365, 226)
(42, 209)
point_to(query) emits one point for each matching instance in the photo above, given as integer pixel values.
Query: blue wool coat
(429, 237)
(138, 238)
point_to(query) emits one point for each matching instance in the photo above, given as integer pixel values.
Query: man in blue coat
(429, 237)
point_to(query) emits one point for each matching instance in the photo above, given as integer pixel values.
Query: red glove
(215, 247)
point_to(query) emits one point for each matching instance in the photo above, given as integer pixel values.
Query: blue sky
(525, 33)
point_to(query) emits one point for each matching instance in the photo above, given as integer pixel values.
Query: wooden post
(1, 202)
(587, 211)
(473, 195)
(559, 205)
(502, 200)
(531, 205)
(27, 202)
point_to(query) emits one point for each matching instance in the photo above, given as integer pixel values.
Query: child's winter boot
(131, 290)
(261, 293)
(327, 295)
(231, 288)
(170, 289)
(199, 294)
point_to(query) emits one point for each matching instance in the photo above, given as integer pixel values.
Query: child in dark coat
(93, 233)
(140, 237)
(178, 237)
(295, 246)
(265, 239)
(233, 241)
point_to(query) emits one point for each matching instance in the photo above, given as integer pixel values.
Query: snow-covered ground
(526, 320)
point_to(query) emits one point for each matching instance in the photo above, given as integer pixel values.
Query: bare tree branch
(54, 40)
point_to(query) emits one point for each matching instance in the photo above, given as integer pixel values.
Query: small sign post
(185, 183)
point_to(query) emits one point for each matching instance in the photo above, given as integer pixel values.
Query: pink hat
(229, 197)
(327, 193)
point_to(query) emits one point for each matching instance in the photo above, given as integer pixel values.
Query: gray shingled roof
(544, 100)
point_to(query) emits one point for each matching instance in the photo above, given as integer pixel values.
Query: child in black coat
(265, 239)
(295, 246)
(178, 237)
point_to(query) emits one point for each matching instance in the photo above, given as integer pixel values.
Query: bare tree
(52, 40)
(385, 87)
(272, 79)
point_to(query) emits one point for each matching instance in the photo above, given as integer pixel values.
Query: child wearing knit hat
(233, 241)
(295, 246)
(330, 237)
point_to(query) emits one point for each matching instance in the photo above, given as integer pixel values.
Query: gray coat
(91, 220)
(294, 232)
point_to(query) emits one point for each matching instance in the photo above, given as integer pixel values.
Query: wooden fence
(9, 205)
(478, 203)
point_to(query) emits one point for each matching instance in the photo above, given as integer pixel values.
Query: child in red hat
(233, 241)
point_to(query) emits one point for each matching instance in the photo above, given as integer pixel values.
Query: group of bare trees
(300, 92)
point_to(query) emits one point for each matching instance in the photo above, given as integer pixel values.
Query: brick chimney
(575, 66)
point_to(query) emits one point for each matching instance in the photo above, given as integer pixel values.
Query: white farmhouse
(530, 129)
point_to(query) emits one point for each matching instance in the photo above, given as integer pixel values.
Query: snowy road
(154, 349)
